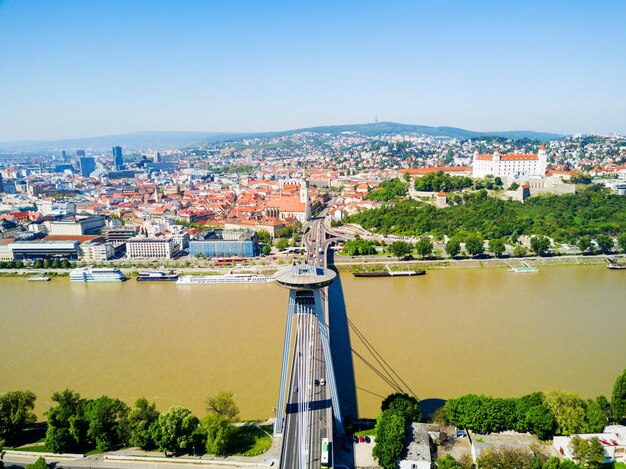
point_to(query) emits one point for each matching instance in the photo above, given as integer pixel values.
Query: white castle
(512, 165)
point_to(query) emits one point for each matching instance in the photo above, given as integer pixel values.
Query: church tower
(304, 199)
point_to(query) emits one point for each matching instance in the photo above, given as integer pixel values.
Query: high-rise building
(80, 153)
(63, 155)
(118, 159)
(87, 166)
(1, 184)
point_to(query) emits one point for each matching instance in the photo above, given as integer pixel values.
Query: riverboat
(614, 265)
(390, 273)
(39, 279)
(524, 268)
(401, 273)
(157, 276)
(223, 279)
(87, 274)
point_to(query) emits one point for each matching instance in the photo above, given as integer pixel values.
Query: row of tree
(389, 190)
(543, 414)
(39, 264)
(564, 218)
(79, 425)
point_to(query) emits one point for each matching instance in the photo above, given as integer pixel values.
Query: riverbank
(352, 264)
(355, 265)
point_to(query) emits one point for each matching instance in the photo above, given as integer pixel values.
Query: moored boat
(390, 273)
(614, 265)
(87, 274)
(400, 273)
(223, 279)
(157, 276)
(41, 278)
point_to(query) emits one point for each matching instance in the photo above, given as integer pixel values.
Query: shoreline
(354, 265)
(442, 264)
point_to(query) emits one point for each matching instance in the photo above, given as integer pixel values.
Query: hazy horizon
(84, 69)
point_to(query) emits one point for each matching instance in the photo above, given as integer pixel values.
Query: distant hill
(385, 128)
(135, 140)
(168, 140)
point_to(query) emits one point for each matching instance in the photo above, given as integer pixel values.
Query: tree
(584, 243)
(67, 426)
(404, 405)
(223, 405)
(496, 245)
(359, 247)
(595, 454)
(519, 250)
(400, 248)
(174, 429)
(569, 412)
(424, 247)
(390, 438)
(589, 454)
(540, 244)
(447, 462)
(16, 411)
(596, 417)
(39, 464)
(621, 241)
(539, 421)
(506, 457)
(407, 177)
(605, 243)
(266, 249)
(281, 244)
(106, 417)
(474, 244)
(264, 236)
(618, 397)
(218, 434)
(140, 419)
(453, 246)
(514, 186)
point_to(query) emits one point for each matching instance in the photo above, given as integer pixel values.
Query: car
(355, 439)
(322, 382)
(361, 439)
(367, 439)
(317, 382)
(295, 389)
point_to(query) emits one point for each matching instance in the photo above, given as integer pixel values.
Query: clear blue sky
(85, 68)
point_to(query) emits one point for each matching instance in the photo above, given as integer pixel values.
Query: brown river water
(445, 334)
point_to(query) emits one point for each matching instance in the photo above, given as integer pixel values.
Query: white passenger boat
(87, 274)
(221, 279)
(39, 279)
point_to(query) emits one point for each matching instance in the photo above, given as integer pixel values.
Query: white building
(613, 440)
(97, 252)
(151, 248)
(512, 165)
(76, 225)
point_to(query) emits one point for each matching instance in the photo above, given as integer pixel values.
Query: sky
(72, 68)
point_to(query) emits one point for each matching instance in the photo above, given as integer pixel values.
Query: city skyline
(88, 69)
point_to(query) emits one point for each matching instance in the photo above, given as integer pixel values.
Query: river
(447, 333)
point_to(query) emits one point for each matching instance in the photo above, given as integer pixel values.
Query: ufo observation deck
(304, 277)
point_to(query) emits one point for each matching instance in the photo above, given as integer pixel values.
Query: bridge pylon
(305, 283)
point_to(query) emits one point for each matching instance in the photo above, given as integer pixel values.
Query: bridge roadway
(308, 409)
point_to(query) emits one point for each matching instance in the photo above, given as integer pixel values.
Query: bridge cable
(374, 352)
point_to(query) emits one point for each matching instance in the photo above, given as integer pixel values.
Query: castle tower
(543, 160)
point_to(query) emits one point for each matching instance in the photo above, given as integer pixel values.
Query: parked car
(367, 439)
(355, 439)
(361, 439)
